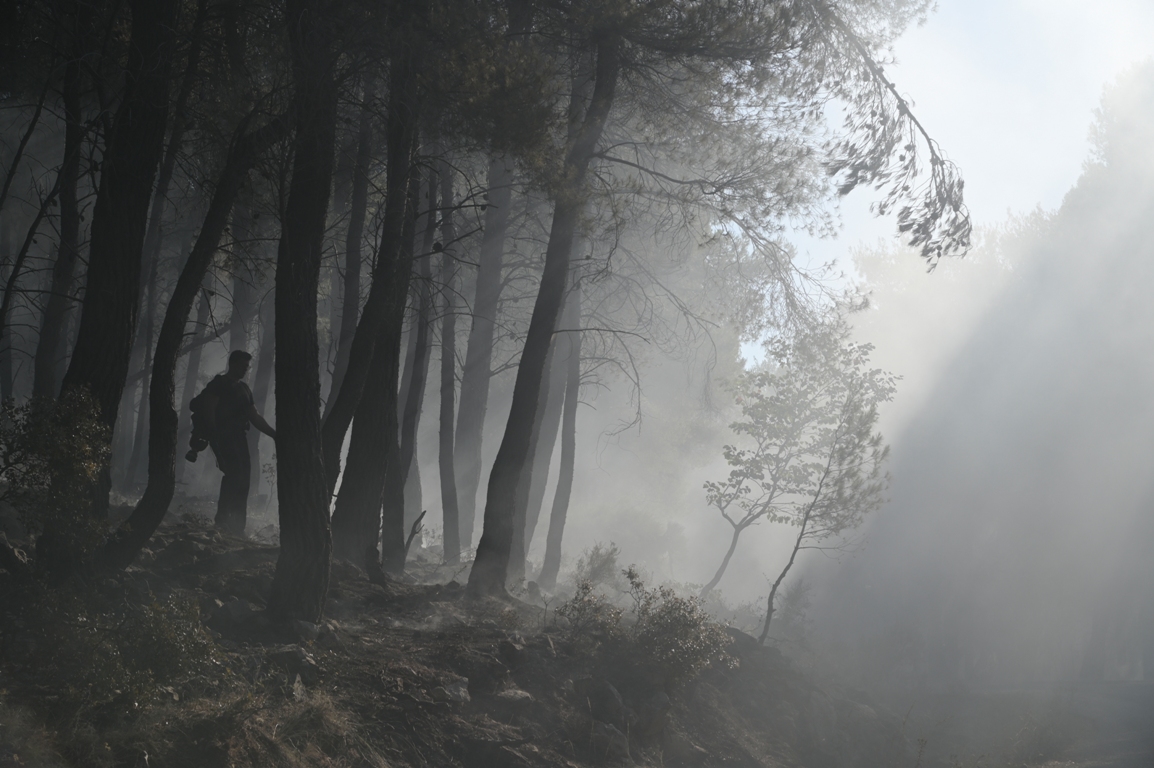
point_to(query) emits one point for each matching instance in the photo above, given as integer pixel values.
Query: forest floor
(398, 674)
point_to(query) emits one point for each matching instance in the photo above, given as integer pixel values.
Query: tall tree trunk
(125, 544)
(100, 359)
(492, 563)
(545, 434)
(15, 267)
(191, 380)
(450, 513)
(6, 376)
(140, 434)
(416, 375)
(520, 545)
(241, 318)
(262, 380)
(401, 136)
(477, 373)
(153, 239)
(14, 166)
(572, 361)
(373, 478)
(354, 236)
(302, 570)
(724, 563)
(48, 352)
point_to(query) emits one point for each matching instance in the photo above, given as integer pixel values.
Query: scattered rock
(330, 640)
(511, 652)
(610, 744)
(306, 630)
(652, 715)
(456, 692)
(515, 696)
(296, 661)
(604, 702)
(236, 611)
(485, 673)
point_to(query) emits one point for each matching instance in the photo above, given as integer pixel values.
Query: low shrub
(665, 635)
(52, 456)
(672, 632)
(84, 653)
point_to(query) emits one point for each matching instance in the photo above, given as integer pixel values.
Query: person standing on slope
(228, 410)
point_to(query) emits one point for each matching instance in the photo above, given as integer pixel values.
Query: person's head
(238, 363)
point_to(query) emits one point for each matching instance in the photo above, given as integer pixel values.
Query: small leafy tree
(810, 457)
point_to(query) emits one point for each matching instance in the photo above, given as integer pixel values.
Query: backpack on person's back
(201, 424)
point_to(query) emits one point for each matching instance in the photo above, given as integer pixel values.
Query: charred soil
(174, 663)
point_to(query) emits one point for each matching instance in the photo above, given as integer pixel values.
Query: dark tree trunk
(357, 511)
(191, 376)
(373, 478)
(451, 526)
(140, 434)
(125, 544)
(520, 544)
(5, 348)
(153, 239)
(261, 382)
(492, 563)
(379, 305)
(48, 351)
(18, 155)
(302, 570)
(108, 316)
(544, 439)
(350, 304)
(477, 373)
(417, 366)
(15, 267)
(572, 363)
(241, 318)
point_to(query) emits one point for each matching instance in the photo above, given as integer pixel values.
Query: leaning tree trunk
(140, 434)
(477, 373)
(492, 563)
(261, 382)
(6, 372)
(152, 236)
(709, 587)
(545, 434)
(375, 475)
(100, 358)
(450, 525)
(529, 475)
(48, 352)
(551, 566)
(417, 368)
(374, 458)
(191, 379)
(354, 236)
(125, 544)
(302, 570)
(401, 134)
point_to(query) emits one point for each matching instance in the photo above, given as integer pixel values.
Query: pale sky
(1009, 89)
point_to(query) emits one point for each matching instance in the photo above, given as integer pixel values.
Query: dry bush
(264, 731)
(87, 654)
(52, 454)
(24, 742)
(667, 637)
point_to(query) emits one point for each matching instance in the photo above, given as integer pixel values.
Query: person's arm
(259, 422)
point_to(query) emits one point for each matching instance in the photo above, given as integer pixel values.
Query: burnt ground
(398, 674)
